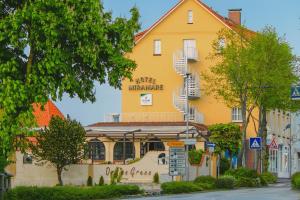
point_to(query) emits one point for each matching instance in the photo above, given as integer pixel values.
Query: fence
(5, 183)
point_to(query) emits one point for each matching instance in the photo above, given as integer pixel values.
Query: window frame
(190, 17)
(236, 115)
(155, 47)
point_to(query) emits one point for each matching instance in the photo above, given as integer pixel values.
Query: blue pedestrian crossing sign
(295, 92)
(255, 143)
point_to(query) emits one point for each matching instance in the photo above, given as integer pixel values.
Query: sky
(256, 14)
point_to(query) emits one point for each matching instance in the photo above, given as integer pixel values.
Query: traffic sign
(295, 93)
(273, 144)
(255, 143)
(177, 161)
(210, 144)
(211, 149)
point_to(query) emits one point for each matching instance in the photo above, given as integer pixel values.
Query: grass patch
(180, 187)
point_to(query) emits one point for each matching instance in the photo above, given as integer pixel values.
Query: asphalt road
(276, 192)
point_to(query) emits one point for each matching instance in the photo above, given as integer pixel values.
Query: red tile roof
(225, 20)
(43, 117)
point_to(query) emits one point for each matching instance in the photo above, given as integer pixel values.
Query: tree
(271, 56)
(229, 78)
(62, 144)
(227, 137)
(48, 48)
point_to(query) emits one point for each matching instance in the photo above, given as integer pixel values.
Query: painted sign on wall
(145, 83)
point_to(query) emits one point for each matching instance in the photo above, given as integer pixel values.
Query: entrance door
(283, 160)
(190, 49)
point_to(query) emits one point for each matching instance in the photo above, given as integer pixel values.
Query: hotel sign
(145, 84)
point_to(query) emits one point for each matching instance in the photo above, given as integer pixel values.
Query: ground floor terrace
(121, 143)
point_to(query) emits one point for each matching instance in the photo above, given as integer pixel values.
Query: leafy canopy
(226, 137)
(48, 48)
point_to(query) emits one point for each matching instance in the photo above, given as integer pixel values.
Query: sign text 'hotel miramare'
(145, 83)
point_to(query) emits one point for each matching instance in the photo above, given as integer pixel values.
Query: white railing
(180, 63)
(179, 100)
(194, 86)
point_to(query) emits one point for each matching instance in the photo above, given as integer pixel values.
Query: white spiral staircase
(180, 64)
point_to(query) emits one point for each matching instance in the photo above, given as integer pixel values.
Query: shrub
(224, 165)
(3, 163)
(205, 179)
(295, 180)
(269, 177)
(116, 176)
(225, 182)
(71, 193)
(180, 187)
(248, 182)
(89, 181)
(101, 181)
(195, 156)
(242, 172)
(156, 178)
(263, 181)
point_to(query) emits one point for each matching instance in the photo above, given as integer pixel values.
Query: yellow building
(176, 45)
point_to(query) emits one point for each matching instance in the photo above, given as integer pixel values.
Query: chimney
(235, 15)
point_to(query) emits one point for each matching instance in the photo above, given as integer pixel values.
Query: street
(277, 192)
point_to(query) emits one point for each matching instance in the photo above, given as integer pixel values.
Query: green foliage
(89, 181)
(48, 48)
(269, 177)
(71, 193)
(226, 137)
(225, 182)
(3, 163)
(263, 181)
(242, 172)
(116, 176)
(61, 144)
(180, 187)
(101, 181)
(295, 180)
(156, 178)
(195, 156)
(206, 182)
(205, 179)
(248, 182)
(224, 165)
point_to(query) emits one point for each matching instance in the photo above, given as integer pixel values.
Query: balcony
(191, 53)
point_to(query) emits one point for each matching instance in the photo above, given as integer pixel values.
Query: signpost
(177, 161)
(211, 148)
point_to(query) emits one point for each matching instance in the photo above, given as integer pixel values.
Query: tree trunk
(265, 153)
(59, 172)
(264, 156)
(242, 153)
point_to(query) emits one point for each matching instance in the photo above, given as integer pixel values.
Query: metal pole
(290, 157)
(124, 148)
(187, 127)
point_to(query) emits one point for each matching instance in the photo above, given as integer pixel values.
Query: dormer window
(190, 17)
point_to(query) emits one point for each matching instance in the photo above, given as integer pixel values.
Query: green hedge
(247, 182)
(180, 187)
(295, 180)
(71, 193)
(206, 182)
(268, 177)
(225, 182)
(242, 172)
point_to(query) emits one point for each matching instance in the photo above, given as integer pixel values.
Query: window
(190, 17)
(157, 47)
(96, 150)
(237, 115)
(221, 45)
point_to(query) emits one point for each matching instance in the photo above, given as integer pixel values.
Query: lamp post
(187, 117)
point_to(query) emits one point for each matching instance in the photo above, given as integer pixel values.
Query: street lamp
(187, 117)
